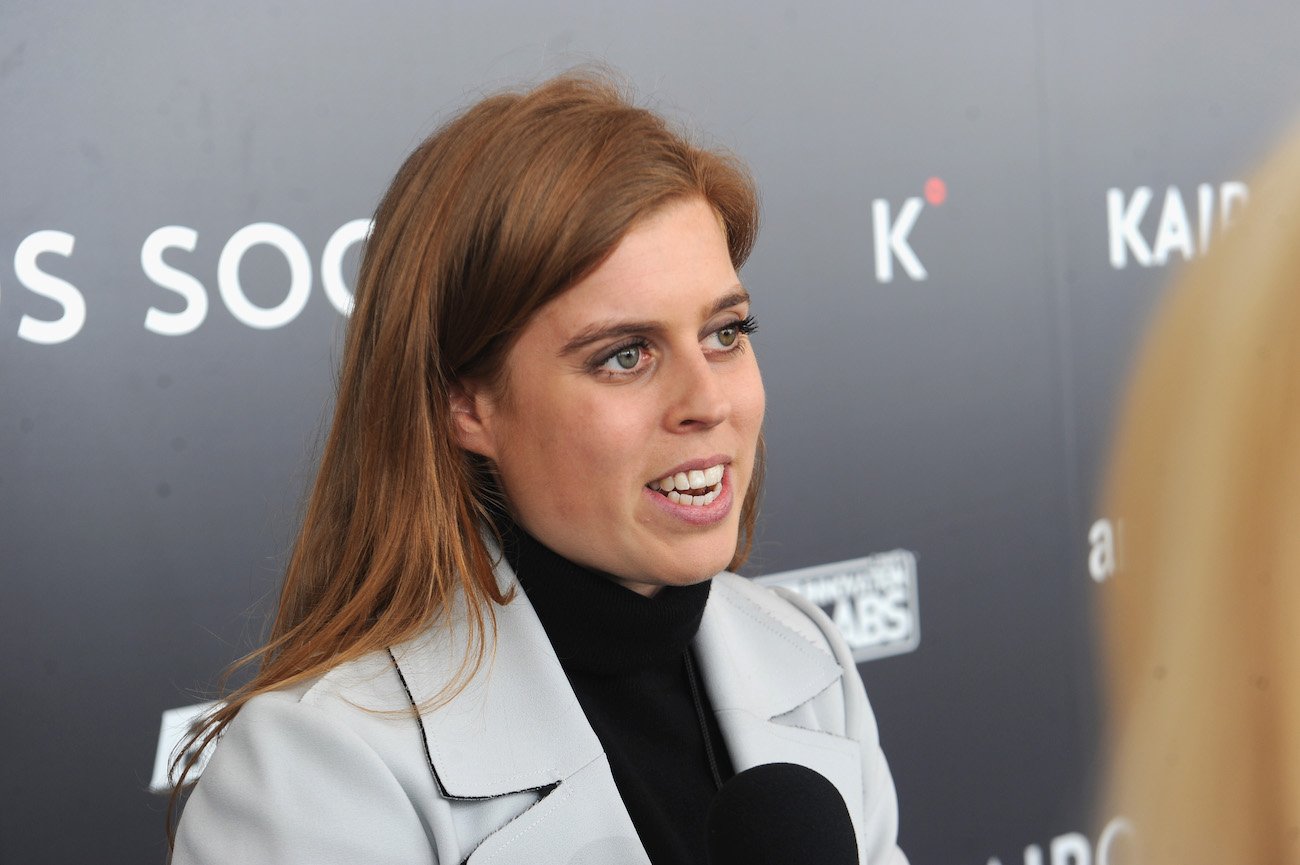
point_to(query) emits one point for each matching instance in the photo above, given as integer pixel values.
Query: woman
(1201, 616)
(547, 385)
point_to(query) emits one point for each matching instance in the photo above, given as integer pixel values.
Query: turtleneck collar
(595, 624)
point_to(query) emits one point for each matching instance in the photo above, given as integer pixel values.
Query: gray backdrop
(150, 481)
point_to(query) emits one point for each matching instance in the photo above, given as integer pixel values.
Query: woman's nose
(699, 399)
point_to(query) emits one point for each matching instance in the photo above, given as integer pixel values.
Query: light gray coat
(337, 770)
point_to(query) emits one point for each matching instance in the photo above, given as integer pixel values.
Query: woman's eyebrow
(607, 330)
(612, 330)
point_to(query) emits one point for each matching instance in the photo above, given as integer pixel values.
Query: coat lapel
(761, 675)
(580, 822)
(516, 726)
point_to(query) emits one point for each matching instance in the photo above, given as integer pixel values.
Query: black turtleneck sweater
(628, 659)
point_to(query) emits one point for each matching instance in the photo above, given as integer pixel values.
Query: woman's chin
(687, 574)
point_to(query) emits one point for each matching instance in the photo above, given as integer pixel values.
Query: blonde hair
(1201, 621)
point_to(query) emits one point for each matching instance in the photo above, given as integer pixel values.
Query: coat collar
(517, 724)
(752, 661)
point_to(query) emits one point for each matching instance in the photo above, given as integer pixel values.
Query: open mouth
(698, 487)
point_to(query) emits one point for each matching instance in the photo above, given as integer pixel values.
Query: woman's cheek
(755, 402)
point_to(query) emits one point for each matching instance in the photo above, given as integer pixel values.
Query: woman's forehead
(675, 264)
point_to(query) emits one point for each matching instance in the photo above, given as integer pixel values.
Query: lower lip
(698, 515)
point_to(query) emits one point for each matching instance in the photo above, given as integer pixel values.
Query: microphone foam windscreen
(780, 813)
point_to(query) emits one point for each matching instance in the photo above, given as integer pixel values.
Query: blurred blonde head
(1202, 619)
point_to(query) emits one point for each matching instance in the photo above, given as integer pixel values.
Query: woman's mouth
(698, 487)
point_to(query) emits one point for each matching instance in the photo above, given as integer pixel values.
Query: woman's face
(626, 430)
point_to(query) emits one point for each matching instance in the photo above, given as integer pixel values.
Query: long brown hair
(495, 214)
(1202, 614)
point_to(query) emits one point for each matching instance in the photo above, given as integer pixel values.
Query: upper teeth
(707, 480)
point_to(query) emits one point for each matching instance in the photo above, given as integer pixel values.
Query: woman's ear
(471, 415)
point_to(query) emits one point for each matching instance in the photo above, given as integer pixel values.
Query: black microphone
(780, 814)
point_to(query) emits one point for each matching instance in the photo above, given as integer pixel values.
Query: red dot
(936, 191)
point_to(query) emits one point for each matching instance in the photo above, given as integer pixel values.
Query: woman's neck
(594, 623)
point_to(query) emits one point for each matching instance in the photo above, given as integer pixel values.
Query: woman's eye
(628, 358)
(624, 359)
(728, 336)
